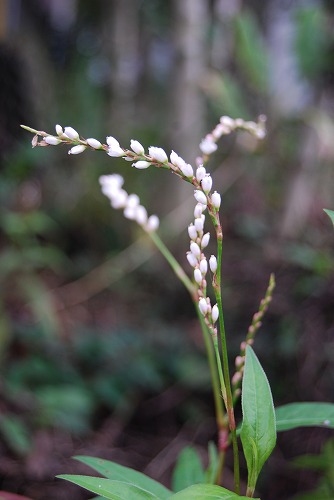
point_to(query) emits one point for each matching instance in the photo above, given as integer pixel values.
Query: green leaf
(295, 415)
(212, 470)
(188, 470)
(206, 492)
(113, 490)
(330, 214)
(118, 472)
(258, 431)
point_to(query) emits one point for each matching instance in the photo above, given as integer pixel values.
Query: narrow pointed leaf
(295, 415)
(118, 472)
(188, 469)
(258, 431)
(113, 490)
(206, 492)
(330, 214)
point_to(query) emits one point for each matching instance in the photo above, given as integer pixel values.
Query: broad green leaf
(258, 431)
(107, 488)
(330, 214)
(211, 471)
(118, 472)
(295, 415)
(206, 492)
(188, 470)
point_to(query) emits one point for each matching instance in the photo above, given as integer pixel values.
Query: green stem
(217, 379)
(229, 398)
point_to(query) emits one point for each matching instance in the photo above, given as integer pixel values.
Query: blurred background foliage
(100, 350)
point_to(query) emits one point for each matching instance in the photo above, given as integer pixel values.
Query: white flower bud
(177, 160)
(213, 263)
(157, 154)
(71, 133)
(152, 223)
(187, 170)
(203, 265)
(94, 143)
(200, 173)
(192, 232)
(113, 181)
(205, 240)
(215, 313)
(119, 199)
(207, 183)
(137, 147)
(199, 224)
(130, 212)
(200, 197)
(199, 208)
(227, 121)
(216, 200)
(141, 215)
(195, 249)
(198, 276)
(53, 141)
(133, 200)
(59, 130)
(141, 164)
(208, 146)
(191, 259)
(77, 149)
(114, 148)
(203, 306)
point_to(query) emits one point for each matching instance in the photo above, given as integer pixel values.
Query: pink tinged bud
(203, 265)
(59, 130)
(200, 197)
(141, 164)
(152, 223)
(203, 306)
(187, 170)
(53, 141)
(94, 143)
(198, 276)
(177, 160)
(236, 378)
(192, 259)
(207, 183)
(195, 249)
(199, 208)
(77, 149)
(208, 146)
(158, 154)
(141, 215)
(216, 200)
(137, 147)
(215, 313)
(133, 200)
(71, 133)
(200, 173)
(239, 361)
(213, 264)
(192, 232)
(199, 224)
(205, 240)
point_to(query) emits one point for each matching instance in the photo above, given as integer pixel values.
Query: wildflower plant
(260, 420)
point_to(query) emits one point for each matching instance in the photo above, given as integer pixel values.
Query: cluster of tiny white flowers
(227, 125)
(199, 240)
(111, 186)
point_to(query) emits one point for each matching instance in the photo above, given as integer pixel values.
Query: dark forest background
(100, 351)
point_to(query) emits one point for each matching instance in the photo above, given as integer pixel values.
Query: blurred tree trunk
(187, 106)
(122, 40)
